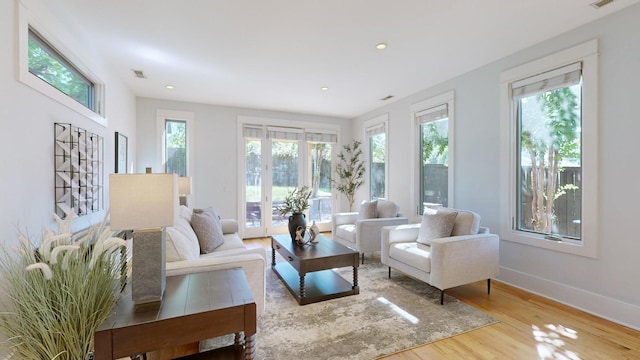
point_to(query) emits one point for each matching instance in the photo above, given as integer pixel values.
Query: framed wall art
(122, 153)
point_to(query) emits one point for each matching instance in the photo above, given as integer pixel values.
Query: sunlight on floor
(396, 308)
(550, 342)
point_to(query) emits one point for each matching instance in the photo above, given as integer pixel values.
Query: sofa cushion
(206, 225)
(346, 232)
(436, 224)
(467, 223)
(181, 242)
(387, 209)
(413, 254)
(368, 210)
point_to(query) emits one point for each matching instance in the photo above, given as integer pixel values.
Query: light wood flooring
(530, 327)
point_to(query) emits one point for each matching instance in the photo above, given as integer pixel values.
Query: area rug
(389, 315)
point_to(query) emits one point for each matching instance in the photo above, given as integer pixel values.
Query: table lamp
(184, 189)
(146, 204)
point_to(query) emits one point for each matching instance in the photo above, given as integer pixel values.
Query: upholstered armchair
(447, 249)
(362, 230)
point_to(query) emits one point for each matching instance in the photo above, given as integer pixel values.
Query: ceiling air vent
(601, 3)
(139, 74)
(386, 97)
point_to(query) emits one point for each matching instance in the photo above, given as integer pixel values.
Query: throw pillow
(467, 223)
(368, 210)
(387, 209)
(435, 225)
(206, 225)
(181, 241)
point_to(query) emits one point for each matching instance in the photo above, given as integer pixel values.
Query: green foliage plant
(350, 170)
(295, 202)
(58, 293)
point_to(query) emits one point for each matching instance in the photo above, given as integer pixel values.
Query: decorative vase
(296, 221)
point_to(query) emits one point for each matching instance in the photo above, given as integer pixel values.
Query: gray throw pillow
(207, 226)
(387, 209)
(436, 225)
(368, 210)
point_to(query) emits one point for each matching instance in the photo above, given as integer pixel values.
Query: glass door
(321, 202)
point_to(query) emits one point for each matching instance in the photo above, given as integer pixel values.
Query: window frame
(438, 100)
(587, 53)
(383, 121)
(186, 116)
(67, 50)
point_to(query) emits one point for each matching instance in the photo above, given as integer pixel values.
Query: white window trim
(587, 53)
(384, 120)
(25, 19)
(445, 98)
(188, 118)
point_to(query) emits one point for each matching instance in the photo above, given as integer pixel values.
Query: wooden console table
(195, 307)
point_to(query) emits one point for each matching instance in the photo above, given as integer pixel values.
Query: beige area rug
(389, 315)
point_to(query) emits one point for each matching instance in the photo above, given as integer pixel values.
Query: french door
(276, 161)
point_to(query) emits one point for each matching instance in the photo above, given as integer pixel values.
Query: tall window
(377, 141)
(549, 169)
(175, 147)
(434, 156)
(548, 116)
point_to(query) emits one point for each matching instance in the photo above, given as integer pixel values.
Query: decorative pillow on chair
(387, 209)
(435, 225)
(206, 225)
(368, 210)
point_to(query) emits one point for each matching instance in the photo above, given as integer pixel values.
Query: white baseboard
(611, 309)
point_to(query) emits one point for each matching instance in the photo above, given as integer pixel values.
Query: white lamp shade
(184, 185)
(142, 201)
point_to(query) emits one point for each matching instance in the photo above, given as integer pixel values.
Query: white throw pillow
(387, 209)
(368, 210)
(467, 223)
(181, 242)
(436, 225)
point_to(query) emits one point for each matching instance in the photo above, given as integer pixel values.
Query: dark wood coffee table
(307, 270)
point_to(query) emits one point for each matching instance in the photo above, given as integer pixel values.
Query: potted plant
(294, 205)
(60, 291)
(350, 171)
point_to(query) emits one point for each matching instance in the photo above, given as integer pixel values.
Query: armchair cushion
(347, 232)
(413, 253)
(387, 209)
(435, 225)
(368, 210)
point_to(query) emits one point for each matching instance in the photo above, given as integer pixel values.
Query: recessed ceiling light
(381, 46)
(324, 88)
(170, 87)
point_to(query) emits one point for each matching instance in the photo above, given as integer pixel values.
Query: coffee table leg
(273, 257)
(301, 287)
(250, 347)
(355, 277)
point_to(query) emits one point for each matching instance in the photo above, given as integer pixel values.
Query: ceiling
(277, 54)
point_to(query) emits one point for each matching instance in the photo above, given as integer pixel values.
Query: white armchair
(443, 255)
(362, 230)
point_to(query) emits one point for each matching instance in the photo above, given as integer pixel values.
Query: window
(175, 147)
(48, 64)
(433, 121)
(376, 136)
(550, 112)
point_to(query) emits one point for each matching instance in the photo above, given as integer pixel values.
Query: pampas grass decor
(59, 292)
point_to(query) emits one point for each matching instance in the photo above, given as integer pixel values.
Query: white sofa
(469, 253)
(361, 230)
(183, 254)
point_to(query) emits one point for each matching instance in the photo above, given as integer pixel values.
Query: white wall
(216, 180)
(608, 285)
(27, 118)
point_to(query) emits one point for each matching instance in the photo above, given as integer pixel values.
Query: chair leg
(441, 297)
(362, 255)
(488, 286)
(389, 272)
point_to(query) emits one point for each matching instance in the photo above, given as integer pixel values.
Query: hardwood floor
(530, 327)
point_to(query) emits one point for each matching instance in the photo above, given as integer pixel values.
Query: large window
(51, 66)
(434, 123)
(549, 115)
(175, 131)
(175, 139)
(376, 136)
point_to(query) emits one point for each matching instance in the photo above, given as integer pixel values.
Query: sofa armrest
(252, 264)
(459, 260)
(338, 219)
(229, 226)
